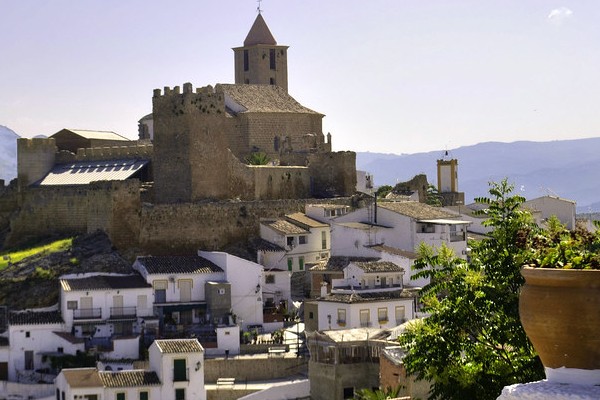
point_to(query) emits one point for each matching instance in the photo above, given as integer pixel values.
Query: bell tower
(261, 61)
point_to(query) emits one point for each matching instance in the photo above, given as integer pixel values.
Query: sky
(391, 76)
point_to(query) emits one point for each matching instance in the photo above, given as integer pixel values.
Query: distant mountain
(8, 154)
(567, 168)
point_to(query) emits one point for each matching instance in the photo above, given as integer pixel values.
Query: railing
(181, 375)
(365, 324)
(341, 322)
(87, 313)
(123, 312)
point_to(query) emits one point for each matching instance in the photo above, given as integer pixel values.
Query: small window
(27, 334)
(302, 239)
(365, 318)
(272, 81)
(221, 291)
(72, 305)
(311, 315)
(144, 395)
(179, 394)
(290, 262)
(289, 240)
(341, 317)
(270, 278)
(120, 396)
(301, 263)
(323, 240)
(272, 60)
(400, 315)
(382, 315)
(60, 350)
(246, 63)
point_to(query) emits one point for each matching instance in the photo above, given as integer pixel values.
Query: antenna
(258, 8)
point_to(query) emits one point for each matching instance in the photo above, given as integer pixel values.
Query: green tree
(433, 197)
(258, 158)
(383, 191)
(473, 344)
(369, 394)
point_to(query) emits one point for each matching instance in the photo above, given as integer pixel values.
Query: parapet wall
(35, 158)
(137, 150)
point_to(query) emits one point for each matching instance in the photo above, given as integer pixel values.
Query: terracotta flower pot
(560, 312)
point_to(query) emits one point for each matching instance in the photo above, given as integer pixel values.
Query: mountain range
(564, 168)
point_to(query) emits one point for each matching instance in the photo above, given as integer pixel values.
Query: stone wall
(327, 381)
(255, 368)
(35, 158)
(333, 174)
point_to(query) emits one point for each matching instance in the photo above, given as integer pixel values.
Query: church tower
(261, 61)
(447, 177)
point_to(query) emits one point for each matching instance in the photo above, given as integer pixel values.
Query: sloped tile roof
(365, 297)
(264, 245)
(104, 282)
(259, 33)
(378, 266)
(264, 98)
(179, 346)
(416, 210)
(85, 172)
(302, 219)
(178, 265)
(34, 318)
(338, 263)
(129, 378)
(102, 135)
(286, 227)
(82, 377)
(69, 338)
(393, 250)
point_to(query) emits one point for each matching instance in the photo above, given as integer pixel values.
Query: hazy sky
(391, 76)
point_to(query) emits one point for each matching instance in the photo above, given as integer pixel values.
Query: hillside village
(310, 309)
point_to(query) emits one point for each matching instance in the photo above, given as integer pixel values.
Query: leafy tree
(473, 344)
(433, 197)
(383, 191)
(258, 158)
(368, 394)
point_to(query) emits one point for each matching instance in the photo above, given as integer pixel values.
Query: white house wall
(564, 210)
(327, 308)
(162, 364)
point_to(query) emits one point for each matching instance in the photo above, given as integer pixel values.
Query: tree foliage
(369, 394)
(433, 197)
(383, 191)
(473, 344)
(257, 158)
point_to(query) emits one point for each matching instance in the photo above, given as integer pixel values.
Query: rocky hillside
(33, 282)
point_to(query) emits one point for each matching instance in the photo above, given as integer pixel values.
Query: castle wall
(332, 174)
(35, 158)
(281, 182)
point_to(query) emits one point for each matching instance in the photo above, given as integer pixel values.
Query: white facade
(563, 209)
(276, 287)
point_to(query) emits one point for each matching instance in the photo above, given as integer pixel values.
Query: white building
(176, 371)
(547, 206)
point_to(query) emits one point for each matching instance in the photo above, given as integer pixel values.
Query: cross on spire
(258, 8)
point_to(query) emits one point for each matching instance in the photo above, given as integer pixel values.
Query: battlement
(174, 102)
(36, 144)
(137, 150)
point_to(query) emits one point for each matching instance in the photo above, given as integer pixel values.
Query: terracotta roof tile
(416, 210)
(178, 265)
(365, 297)
(338, 263)
(104, 282)
(393, 250)
(129, 378)
(302, 219)
(179, 346)
(69, 338)
(263, 98)
(286, 227)
(378, 266)
(34, 318)
(82, 377)
(265, 245)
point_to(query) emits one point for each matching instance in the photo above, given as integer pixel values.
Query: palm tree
(258, 158)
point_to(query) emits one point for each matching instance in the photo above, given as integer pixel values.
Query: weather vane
(258, 8)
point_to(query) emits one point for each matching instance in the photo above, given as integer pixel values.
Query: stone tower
(447, 179)
(261, 61)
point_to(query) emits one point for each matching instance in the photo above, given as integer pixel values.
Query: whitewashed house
(547, 206)
(297, 240)
(176, 371)
(108, 310)
(371, 294)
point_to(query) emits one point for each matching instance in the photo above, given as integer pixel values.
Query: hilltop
(566, 168)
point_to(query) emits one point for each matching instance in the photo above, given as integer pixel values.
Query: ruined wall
(185, 228)
(417, 183)
(190, 143)
(35, 158)
(281, 182)
(333, 174)
(8, 206)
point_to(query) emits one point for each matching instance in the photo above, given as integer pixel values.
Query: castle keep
(193, 152)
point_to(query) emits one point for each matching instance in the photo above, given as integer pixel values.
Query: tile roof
(264, 245)
(85, 172)
(416, 210)
(378, 266)
(393, 250)
(70, 338)
(286, 227)
(308, 222)
(103, 282)
(259, 33)
(128, 378)
(364, 226)
(263, 98)
(178, 265)
(102, 135)
(179, 346)
(34, 318)
(365, 297)
(338, 263)
(82, 377)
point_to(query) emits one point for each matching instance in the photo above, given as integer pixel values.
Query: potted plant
(559, 304)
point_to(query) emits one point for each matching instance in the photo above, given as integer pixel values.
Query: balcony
(365, 324)
(123, 312)
(87, 313)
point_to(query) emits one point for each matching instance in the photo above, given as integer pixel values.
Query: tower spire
(258, 8)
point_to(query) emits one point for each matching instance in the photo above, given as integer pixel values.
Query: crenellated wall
(35, 158)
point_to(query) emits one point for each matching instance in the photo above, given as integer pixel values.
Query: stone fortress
(187, 182)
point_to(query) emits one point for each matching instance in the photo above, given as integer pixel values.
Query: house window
(400, 315)
(27, 334)
(28, 360)
(341, 317)
(348, 393)
(60, 350)
(382, 315)
(323, 240)
(272, 81)
(311, 315)
(302, 239)
(160, 291)
(365, 318)
(144, 395)
(301, 263)
(179, 394)
(72, 305)
(179, 370)
(270, 278)
(289, 240)
(221, 291)
(426, 228)
(246, 63)
(120, 396)
(276, 143)
(272, 58)
(290, 263)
